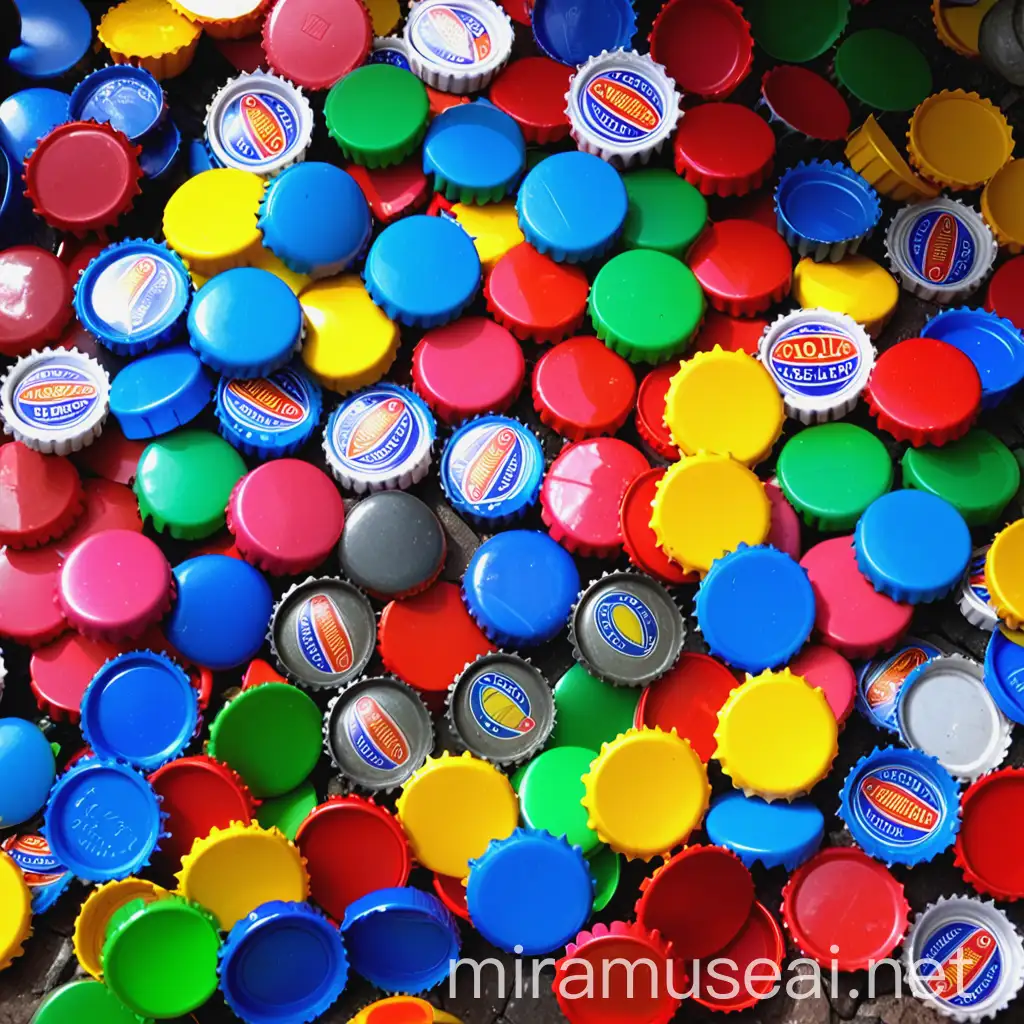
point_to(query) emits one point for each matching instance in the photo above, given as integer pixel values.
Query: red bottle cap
(286, 516)
(452, 893)
(829, 670)
(650, 411)
(114, 585)
(245, 55)
(28, 581)
(851, 616)
(688, 698)
(805, 102)
(535, 297)
(842, 897)
(40, 496)
(1006, 292)
(724, 149)
(705, 46)
(784, 532)
(259, 672)
(582, 493)
(532, 92)
(990, 863)
(637, 536)
(83, 176)
(221, 543)
(439, 101)
(314, 43)
(60, 672)
(518, 10)
(76, 255)
(112, 456)
(729, 333)
(352, 847)
(468, 367)
(924, 391)
(759, 207)
(35, 299)
(108, 506)
(392, 192)
(743, 266)
(581, 388)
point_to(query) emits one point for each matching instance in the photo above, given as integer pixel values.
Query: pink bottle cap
(784, 532)
(28, 579)
(112, 456)
(829, 670)
(61, 671)
(108, 506)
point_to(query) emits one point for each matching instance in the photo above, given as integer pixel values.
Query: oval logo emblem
(626, 624)
(500, 706)
(814, 359)
(322, 636)
(55, 395)
(375, 735)
(897, 805)
(621, 106)
(976, 577)
(257, 127)
(885, 677)
(32, 854)
(268, 404)
(135, 293)
(969, 960)
(941, 248)
(453, 35)
(489, 464)
(377, 432)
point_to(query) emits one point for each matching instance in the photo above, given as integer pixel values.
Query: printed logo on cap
(882, 679)
(258, 126)
(815, 358)
(268, 404)
(942, 250)
(322, 636)
(500, 706)
(976, 576)
(490, 465)
(898, 805)
(976, 948)
(377, 432)
(32, 854)
(375, 736)
(55, 394)
(453, 35)
(626, 623)
(388, 55)
(621, 106)
(135, 293)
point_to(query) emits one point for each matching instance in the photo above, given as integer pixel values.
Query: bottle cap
(26, 116)
(39, 303)
(17, 901)
(638, 539)
(675, 798)
(556, 892)
(782, 833)
(978, 936)
(1004, 672)
(879, 681)
(797, 32)
(805, 103)
(46, 877)
(391, 50)
(1004, 292)
(872, 154)
(236, 19)
(125, 823)
(827, 670)
(1003, 574)
(665, 212)
(532, 90)
(882, 69)
(145, 33)
(981, 854)
(855, 286)
(784, 532)
(401, 939)
(28, 582)
(126, 97)
(973, 597)
(572, 207)
(494, 228)
(457, 48)
(452, 808)
(958, 26)
(416, 1011)
(392, 191)
(590, 712)
(650, 413)
(40, 496)
(940, 250)
(924, 391)
(27, 760)
(84, 999)
(288, 811)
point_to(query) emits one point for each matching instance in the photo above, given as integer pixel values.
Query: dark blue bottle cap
(901, 806)
(912, 546)
(160, 150)
(491, 470)
(133, 296)
(283, 963)
(199, 158)
(572, 206)
(127, 97)
(390, 50)
(245, 322)
(401, 940)
(269, 416)
(28, 115)
(520, 587)
(221, 612)
(553, 886)
(755, 608)
(880, 680)
(102, 820)
(423, 271)
(15, 211)
(27, 767)
(47, 878)
(564, 34)
(1004, 674)
(767, 833)
(55, 36)
(993, 344)
(159, 392)
(141, 708)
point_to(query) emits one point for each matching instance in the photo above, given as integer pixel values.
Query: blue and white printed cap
(393, 50)
(974, 599)
(880, 680)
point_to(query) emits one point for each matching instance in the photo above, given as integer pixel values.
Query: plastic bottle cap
(287, 811)
(126, 97)
(231, 20)
(60, 671)
(28, 582)
(827, 670)
(796, 32)
(532, 90)
(111, 456)
(160, 151)
(29, 114)
(1003, 574)
(392, 191)
(606, 868)
(958, 26)
(855, 286)
(650, 412)
(391, 50)
(986, 808)
(494, 229)
(590, 712)
(322, 632)
(806, 103)
(27, 756)
(40, 496)
(883, 70)
(879, 681)
(146, 33)
(563, 36)
(665, 212)
(724, 149)
(973, 598)
(1004, 291)
(873, 155)
(17, 901)
(38, 306)
(783, 833)
(784, 532)
(415, 1010)
(638, 538)
(84, 999)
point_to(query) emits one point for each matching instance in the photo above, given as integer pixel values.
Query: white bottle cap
(973, 598)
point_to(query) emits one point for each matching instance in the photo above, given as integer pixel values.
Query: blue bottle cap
(159, 392)
(283, 963)
(221, 612)
(565, 35)
(127, 97)
(47, 878)
(993, 344)
(755, 608)
(10, 202)
(401, 940)
(269, 416)
(199, 158)
(133, 296)
(491, 470)
(880, 680)
(423, 271)
(55, 36)
(912, 546)
(572, 206)
(1004, 674)
(141, 708)
(315, 219)
(28, 115)
(27, 768)
(103, 820)
(390, 50)
(520, 587)
(160, 150)
(553, 886)
(767, 833)
(245, 322)
(901, 806)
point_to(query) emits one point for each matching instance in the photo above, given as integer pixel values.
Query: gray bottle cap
(392, 545)
(378, 733)
(973, 599)
(501, 708)
(626, 629)
(323, 632)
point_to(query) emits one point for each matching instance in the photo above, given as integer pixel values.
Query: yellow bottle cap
(1002, 205)
(1004, 574)
(1016, 635)
(235, 869)
(777, 736)
(97, 910)
(452, 808)
(224, 19)
(958, 139)
(646, 792)
(440, 1017)
(151, 34)
(856, 286)
(210, 221)
(385, 15)
(494, 229)
(396, 1010)
(350, 342)
(15, 911)
(957, 26)
(705, 507)
(725, 403)
(263, 258)
(873, 156)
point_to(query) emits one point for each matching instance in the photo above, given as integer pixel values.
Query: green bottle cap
(550, 792)
(590, 711)
(184, 481)
(288, 811)
(796, 31)
(160, 958)
(84, 1002)
(665, 212)
(606, 867)
(646, 305)
(377, 114)
(977, 475)
(271, 735)
(883, 70)
(830, 474)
